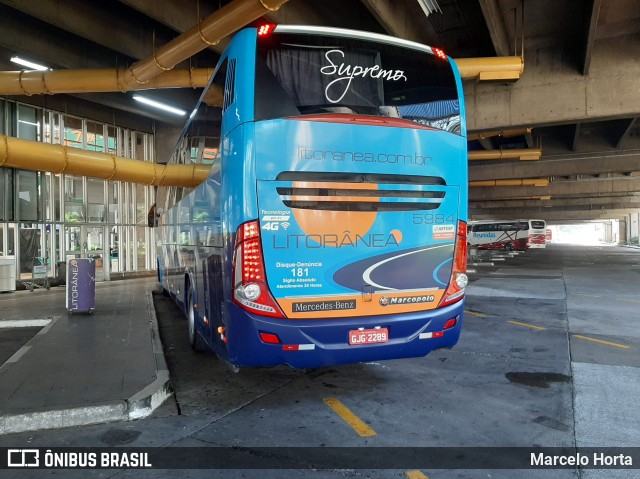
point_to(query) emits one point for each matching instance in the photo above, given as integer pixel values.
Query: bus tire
(508, 247)
(196, 341)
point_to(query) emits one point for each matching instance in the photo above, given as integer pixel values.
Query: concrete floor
(549, 356)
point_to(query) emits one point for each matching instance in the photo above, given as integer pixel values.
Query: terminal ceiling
(579, 94)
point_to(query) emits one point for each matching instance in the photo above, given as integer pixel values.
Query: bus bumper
(325, 342)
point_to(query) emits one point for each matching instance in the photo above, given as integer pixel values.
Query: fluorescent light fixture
(161, 106)
(429, 6)
(28, 122)
(27, 63)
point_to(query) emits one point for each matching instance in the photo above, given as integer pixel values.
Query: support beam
(559, 188)
(618, 130)
(591, 25)
(399, 20)
(542, 212)
(178, 15)
(595, 164)
(550, 92)
(573, 144)
(495, 23)
(108, 27)
(595, 202)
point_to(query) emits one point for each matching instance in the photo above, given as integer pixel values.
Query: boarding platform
(83, 369)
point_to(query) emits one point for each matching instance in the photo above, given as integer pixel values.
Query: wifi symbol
(285, 225)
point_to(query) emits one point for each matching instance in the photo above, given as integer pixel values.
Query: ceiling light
(161, 106)
(27, 63)
(429, 6)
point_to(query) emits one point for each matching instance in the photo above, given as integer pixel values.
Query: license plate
(368, 336)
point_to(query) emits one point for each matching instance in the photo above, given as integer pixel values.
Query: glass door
(86, 241)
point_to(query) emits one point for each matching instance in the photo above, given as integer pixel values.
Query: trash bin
(7, 274)
(81, 285)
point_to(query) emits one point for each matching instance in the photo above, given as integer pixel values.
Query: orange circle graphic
(334, 221)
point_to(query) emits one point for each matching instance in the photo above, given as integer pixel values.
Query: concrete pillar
(606, 237)
(634, 227)
(622, 230)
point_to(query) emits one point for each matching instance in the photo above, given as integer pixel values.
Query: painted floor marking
(518, 323)
(23, 323)
(473, 313)
(601, 341)
(415, 475)
(351, 419)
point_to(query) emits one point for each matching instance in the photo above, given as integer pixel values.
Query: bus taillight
(250, 290)
(265, 29)
(459, 280)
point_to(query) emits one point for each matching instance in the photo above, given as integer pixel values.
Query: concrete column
(622, 230)
(607, 237)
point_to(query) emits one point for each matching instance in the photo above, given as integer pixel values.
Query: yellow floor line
(540, 328)
(415, 475)
(602, 342)
(630, 300)
(351, 419)
(472, 313)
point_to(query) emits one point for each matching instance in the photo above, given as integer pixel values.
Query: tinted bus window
(307, 75)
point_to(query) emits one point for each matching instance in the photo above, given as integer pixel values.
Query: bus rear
(358, 252)
(537, 237)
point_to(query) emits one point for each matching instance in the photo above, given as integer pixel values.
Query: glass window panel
(57, 181)
(73, 239)
(141, 248)
(28, 195)
(11, 240)
(73, 200)
(1, 239)
(73, 135)
(95, 136)
(10, 126)
(141, 205)
(3, 193)
(56, 138)
(95, 200)
(30, 242)
(113, 216)
(140, 146)
(112, 142)
(28, 124)
(114, 249)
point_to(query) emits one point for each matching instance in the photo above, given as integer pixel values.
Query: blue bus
(332, 226)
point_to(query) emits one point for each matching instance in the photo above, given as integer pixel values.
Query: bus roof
(344, 32)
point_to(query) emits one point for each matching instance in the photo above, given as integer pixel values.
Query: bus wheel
(195, 340)
(508, 247)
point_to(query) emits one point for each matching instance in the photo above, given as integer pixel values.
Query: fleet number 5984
(431, 219)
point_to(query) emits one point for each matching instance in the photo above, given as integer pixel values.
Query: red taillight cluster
(265, 29)
(439, 53)
(250, 290)
(458, 281)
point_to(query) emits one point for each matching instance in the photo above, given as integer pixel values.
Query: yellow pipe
(36, 156)
(91, 81)
(525, 182)
(210, 31)
(515, 154)
(491, 68)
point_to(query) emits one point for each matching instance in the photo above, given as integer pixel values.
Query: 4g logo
(275, 226)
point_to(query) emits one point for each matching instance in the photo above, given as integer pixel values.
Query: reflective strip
(437, 334)
(298, 347)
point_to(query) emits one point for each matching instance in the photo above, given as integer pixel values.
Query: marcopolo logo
(384, 301)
